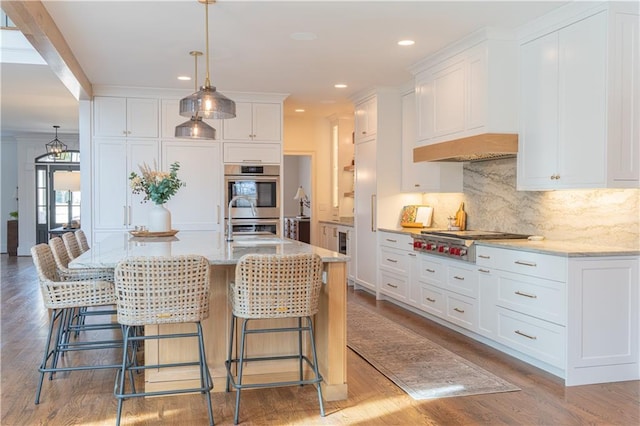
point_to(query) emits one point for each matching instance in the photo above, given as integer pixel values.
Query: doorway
(58, 195)
(296, 172)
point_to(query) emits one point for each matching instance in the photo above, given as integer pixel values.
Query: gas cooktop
(476, 235)
(457, 244)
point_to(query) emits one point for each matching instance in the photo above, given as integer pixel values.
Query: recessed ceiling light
(303, 36)
(406, 42)
(184, 78)
(299, 110)
(340, 86)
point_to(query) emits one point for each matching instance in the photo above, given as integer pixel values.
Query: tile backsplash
(603, 216)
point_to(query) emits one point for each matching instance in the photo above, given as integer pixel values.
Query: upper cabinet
(580, 126)
(423, 176)
(126, 117)
(255, 121)
(366, 119)
(467, 89)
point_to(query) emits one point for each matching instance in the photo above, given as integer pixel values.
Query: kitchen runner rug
(418, 366)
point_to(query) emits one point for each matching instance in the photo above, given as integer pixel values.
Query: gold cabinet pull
(459, 310)
(525, 263)
(392, 286)
(521, 293)
(484, 256)
(486, 271)
(430, 270)
(457, 277)
(392, 260)
(430, 299)
(528, 336)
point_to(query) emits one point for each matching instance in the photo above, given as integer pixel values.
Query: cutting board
(416, 216)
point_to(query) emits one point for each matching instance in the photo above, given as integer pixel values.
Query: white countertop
(553, 247)
(212, 245)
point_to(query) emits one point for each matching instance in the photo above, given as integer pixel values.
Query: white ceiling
(147, 44)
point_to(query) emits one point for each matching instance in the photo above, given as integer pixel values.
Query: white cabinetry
(449, 290)
(378, 164)
(249, 152)
(128, 117)
(603, 320)
(197, 205)
(396, 260)
(579, 101)
(255, 121)
(329, 236)
(114, 206)
(366, 118)
(576, 317)
(467, 89)
(423, 176)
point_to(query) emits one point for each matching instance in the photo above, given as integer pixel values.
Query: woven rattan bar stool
(62, 259)
(82, 240)
(156, 291)
(274, 286)
(71, 244)
(63, 298)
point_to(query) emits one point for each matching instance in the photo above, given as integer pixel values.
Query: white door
(365, 214)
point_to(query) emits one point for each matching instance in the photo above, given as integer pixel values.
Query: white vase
(159, 219)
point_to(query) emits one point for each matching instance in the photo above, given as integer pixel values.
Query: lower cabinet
(575, 317)
(396, 260)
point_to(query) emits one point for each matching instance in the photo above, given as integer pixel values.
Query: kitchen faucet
(229, 224)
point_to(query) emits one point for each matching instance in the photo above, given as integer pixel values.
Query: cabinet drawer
(393, 285)
(394, 259)
(524, 262)
(539, 339)
(398, 241)
(433, 300)
(544, 299)
(462, 280)
(431, 271)
(252, 152)
(461, 310)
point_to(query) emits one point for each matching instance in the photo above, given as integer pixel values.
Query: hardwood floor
(87, 397)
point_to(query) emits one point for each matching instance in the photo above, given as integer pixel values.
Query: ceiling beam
(33, 20)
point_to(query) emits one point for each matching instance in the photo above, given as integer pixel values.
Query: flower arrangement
(157, 186)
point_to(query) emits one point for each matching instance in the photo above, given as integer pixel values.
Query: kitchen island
(330, 321)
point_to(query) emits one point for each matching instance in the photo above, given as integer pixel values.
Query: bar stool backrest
(44, 262)
(162, 290)
(82, 240)
(276, 286)
(59, 253)
(57, 294)
(71, 244)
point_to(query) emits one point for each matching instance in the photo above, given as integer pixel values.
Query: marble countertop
(553, 247)
(343, 221)
(212, 245)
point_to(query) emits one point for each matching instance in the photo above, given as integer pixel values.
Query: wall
(311, 136)
(492, 203)
(9, 185)
(29, 147)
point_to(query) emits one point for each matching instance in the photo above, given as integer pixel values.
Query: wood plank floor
(87, 397)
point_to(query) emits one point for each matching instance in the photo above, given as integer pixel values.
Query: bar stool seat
(157, 291)
(272, 287)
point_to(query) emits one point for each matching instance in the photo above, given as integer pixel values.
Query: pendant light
(195, 128)
(207, 102)
(55, 148)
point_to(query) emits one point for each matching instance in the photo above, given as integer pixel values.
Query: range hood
(487, 146)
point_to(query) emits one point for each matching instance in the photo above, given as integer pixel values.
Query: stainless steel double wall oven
(259, 183)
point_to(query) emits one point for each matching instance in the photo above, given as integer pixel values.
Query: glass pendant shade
(208, 103)
(195, 128)
(55, 148)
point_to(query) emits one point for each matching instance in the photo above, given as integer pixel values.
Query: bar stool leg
(205, 376)
(243, 337)
(315, 365)
(230, 351)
